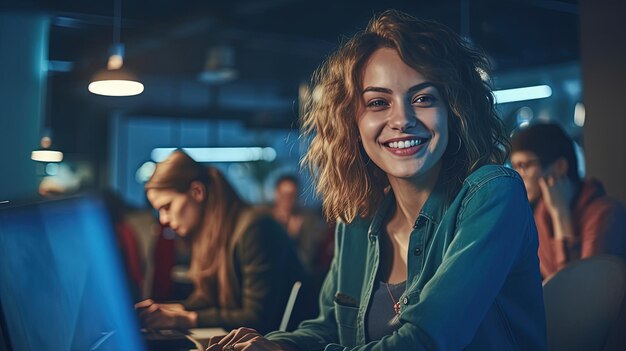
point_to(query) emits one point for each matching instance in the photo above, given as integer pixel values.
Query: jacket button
(405, 300)
(417, 251)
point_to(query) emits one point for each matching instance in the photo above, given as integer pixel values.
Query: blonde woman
(436, 248)
(242, 264)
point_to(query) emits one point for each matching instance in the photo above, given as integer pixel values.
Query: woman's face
(403, 120)
(180, 211)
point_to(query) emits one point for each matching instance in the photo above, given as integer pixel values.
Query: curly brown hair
(348, 184)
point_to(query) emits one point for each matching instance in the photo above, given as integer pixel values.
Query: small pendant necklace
(396, 304)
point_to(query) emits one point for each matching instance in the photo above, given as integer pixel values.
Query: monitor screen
(62, 284)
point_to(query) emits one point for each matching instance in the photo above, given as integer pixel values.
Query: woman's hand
(165, 316)
(244, 339)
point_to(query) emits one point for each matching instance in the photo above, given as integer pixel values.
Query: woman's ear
(197, 190)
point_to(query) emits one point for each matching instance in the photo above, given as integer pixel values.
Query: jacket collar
(433, 210)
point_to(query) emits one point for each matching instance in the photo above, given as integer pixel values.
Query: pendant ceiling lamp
(116, 80)
(45, 153)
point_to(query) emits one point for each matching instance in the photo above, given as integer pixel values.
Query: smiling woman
(436, 248)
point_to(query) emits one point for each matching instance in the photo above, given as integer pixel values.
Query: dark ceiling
(177, 33)
(277, 43)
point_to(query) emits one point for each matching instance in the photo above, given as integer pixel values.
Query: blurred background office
(224, 79)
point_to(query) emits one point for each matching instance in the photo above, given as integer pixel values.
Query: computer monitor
(62, 284)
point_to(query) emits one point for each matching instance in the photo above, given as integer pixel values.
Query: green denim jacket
(473, 275)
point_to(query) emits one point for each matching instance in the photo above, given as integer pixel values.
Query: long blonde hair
(222, 208)
(349, 184)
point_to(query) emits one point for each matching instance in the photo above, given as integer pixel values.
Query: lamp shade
(115, 82)
(46, 156)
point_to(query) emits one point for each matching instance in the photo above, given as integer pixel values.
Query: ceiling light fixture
(44, 153)
(116, 80)
(220, 154)
(46, 156)
(522, 94)
(579, 114)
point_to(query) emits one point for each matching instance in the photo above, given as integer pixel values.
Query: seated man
(575, 218)
(305, 227)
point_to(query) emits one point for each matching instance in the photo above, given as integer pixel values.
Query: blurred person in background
(575, 217)
(308, 231)
(304, 227)
(242, 263)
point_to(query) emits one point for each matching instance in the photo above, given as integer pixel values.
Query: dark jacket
(263, 262)
(473, 275)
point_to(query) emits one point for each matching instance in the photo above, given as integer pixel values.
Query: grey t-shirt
(381, 318)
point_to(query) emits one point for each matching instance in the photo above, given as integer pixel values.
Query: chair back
(584, 305)
(289, 308)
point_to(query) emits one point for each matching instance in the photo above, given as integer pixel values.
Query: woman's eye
(377, 104)
(425, 100)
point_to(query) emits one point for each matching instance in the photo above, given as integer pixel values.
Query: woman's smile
(406, 146)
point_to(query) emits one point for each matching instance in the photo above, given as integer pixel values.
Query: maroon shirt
(599, 224)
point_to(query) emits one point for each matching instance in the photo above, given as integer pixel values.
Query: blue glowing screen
(62, 285)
